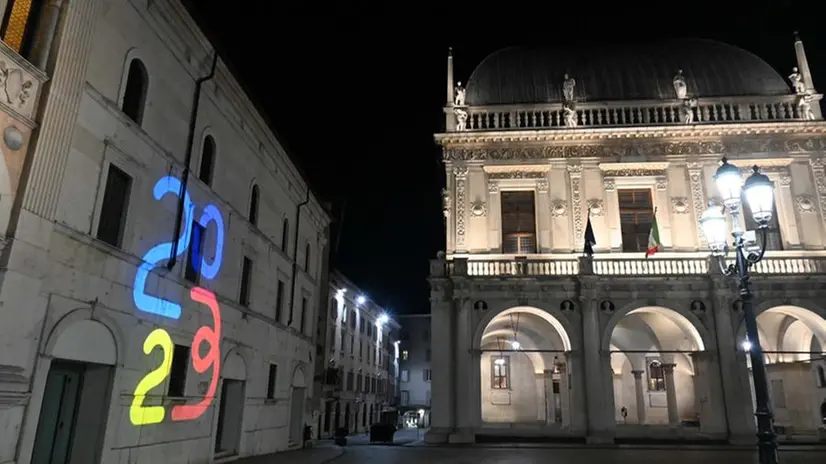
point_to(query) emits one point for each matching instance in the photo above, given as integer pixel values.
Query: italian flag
(654, 243)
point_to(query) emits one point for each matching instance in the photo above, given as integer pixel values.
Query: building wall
(372, 355)
(416, 340)
(59, 276)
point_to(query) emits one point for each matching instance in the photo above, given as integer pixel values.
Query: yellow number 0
(138, 413)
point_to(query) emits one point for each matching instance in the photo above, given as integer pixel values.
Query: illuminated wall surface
(159, 338)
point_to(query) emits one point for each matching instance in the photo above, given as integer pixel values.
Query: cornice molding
(513, 169)
(621, 169)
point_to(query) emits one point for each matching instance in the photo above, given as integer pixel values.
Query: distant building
(358, 383)
(545, 144)
(414, 370)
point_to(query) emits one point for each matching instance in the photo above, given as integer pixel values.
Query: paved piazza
(479, 455)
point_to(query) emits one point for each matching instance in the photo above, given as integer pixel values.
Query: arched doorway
(654, 352)
(523, 367)
(793, 340)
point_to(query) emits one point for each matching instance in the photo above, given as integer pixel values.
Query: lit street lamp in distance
(759, 196)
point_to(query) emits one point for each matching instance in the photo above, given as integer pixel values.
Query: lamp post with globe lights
(759, 196)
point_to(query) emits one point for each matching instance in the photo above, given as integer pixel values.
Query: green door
(55, 427)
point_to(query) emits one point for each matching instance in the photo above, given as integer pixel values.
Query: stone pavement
(320, 453)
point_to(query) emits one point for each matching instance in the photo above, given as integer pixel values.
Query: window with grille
(500, 370)
(656, 376)
(636, 215)
(518, 223)
(773, 239)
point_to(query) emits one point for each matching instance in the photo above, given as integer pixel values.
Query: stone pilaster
(62, 100)
(460, 175)
(698, 198)
(600, 412)
(639, 393)
(575, 177)
(671, 395)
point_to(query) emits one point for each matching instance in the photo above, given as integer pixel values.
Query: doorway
(230, 416)
(76, 397)
(297, 415)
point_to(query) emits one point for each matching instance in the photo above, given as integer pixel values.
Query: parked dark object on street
(341, 436)
(382, 433)
(308, 435)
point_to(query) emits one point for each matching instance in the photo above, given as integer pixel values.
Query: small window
(361, 325)
(246, 276)
(177, 372)
(279, 301)
(821, 376)
(114, 208)
(253, 213)
(285, 234)
(500, 373)
(656, 376)
(405, 377)
(404, 355)
(19, 25)
(207, 160)
(333, 308)
(426, 374)
(273, 376)
(134, 96)
(405, 397)
(302, 321)
(195, 253)
(307, 258)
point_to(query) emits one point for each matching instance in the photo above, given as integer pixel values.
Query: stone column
(565, 393)
(443, 384)
(671, 395)
(450, 210)
(785, 208)
(698, 199)
(494, 217)
(708, 393)
(45, 34)
(62, 102)
(465, 400)
(612, 215)
(542, 396)
(600, 414)
(639, 391)
(543, 216)
(550, 401)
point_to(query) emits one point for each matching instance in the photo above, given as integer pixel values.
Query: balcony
(636, 113)
(620, 264)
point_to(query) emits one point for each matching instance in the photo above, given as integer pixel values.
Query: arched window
(307, 258)
(285, 235)
(656, 376)
(823, 412)
(253, 214)
(134, 96)
(207, 160)
(821, 376)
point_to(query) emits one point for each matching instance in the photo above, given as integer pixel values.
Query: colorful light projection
(211, 336)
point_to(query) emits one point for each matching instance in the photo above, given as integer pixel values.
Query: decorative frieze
(610, 170)
(661, 182)
(805, 204)
(595, 207)
(575, 174)
(820, 180)
(460, 173)
(695, 177)
(644, 149)
(493, 187)
(516, 175)
(609, 185)
(542, 185)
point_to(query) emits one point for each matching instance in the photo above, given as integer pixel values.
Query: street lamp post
(759, 196)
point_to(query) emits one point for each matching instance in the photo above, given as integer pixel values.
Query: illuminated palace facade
(359, 376)
(163, 260)
(535, 340)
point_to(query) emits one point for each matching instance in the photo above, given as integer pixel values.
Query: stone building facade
(163, 259)
(359, 383)
(415, 374)
(534, 339)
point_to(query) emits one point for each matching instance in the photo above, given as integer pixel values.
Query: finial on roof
(449, 51)
(797, 36)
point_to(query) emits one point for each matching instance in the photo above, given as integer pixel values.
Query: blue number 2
(161, 252)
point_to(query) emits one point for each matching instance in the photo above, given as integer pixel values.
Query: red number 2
(212, 337)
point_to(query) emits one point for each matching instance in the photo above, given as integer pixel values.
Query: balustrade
(631, 113)
(618, 265)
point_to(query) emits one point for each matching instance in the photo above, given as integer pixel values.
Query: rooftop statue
(679, 85)
(459, 96)
(804, 107)
(570, 116)
(797, 82)
(568, 86)
(461, 119)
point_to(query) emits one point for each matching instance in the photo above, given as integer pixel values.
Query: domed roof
(621, 72)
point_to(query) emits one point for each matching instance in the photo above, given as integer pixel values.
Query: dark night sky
(357, 99)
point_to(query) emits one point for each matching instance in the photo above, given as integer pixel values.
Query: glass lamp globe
(713, 222)
(759, 192)
(729, 184)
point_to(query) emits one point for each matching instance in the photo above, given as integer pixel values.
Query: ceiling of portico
(791, 332)
(655, 329)
(531, 331)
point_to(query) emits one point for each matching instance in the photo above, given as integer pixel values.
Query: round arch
(134, 54)
(81, 335)
(787, 326)
(234, 366)
(682, 319)
(559, 324)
